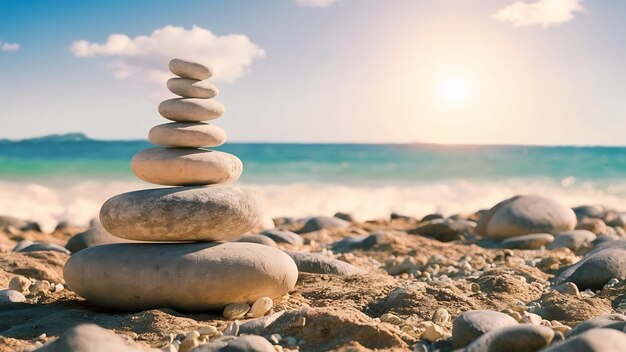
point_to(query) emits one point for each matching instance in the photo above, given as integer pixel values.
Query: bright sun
(453, 90)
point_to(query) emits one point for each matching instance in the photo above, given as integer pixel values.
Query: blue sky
(325, 71)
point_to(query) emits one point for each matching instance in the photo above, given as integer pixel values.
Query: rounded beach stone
(594, 340)
(42, 246)
(189, 69)
(590, 211)
(596, 269)
(523, 215)
(574, 240)
(255, 238)
(317, 263)
(213, 213)
(187, 135)
(468, 326)
(94, 236)
(89, 338)
(532, 241)
(241, 343)
(597, 322)
(323, 222)
(519, 338)
(192, 88)
(11, 296)
(191, 109)
(183, 276)
(284, 237)
(185, 167)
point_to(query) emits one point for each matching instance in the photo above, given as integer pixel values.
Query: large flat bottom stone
(186, 277)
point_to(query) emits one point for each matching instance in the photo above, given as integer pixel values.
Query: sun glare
(453, 90)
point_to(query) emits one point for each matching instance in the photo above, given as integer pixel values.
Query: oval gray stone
(192, 88)
(212, 213)
(518, 338)
(532, 241)
(254, 238)
(191, 109)
(316, 263)
(187, 135)
(183, 276)
(523, 215)
(95, 236)
(284, 237)
(185, 167)
(596, 269)
(574, 240)
(323, 222)
(190, 69)
(89, 338)
(242, 343)
(597, 322)
(468, 326)
(42, 246)
(594, 340)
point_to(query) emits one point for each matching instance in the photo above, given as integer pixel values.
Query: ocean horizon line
(82, 137)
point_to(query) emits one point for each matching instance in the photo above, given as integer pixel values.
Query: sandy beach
(394, 283)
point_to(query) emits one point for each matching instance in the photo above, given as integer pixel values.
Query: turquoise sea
(74, 157)
(69, 176)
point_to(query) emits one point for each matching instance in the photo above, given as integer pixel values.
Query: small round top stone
(190, 69)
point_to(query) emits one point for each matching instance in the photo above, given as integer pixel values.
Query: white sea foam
(81, 202)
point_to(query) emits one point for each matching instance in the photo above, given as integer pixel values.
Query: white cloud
(315, 3)
(146, 56)
(9, 47)
(542, 12)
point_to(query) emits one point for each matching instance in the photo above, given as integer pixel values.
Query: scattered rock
(526, 214)
(444, 230)
(532, 241)
(594, 340)
(596, 269)
(574, 240)
(89, 338)
(40, 246)
(20, 224)
(598, 322)
(236, 311)
(94, 236)
(345, 216)
(520, 338)
(284, 237)
(19, 283)
(323, 222)
(349, 244)
(11, 296)
(470, 325)
(594, 225)
(243, 343)
(254, 238)
(261, 306)
(590, 211)
(320, 264)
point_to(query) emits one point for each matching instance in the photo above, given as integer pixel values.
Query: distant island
(61, 137)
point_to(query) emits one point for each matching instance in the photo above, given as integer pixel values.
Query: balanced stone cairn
(197, 276)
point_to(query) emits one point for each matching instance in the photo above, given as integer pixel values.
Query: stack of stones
(201, 273)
